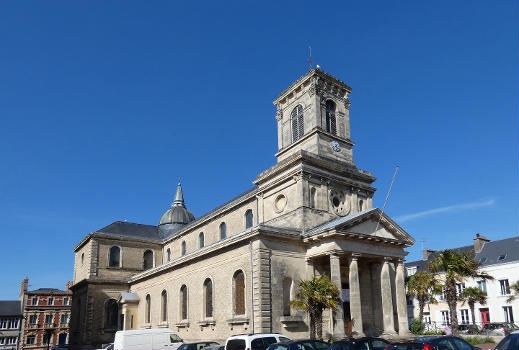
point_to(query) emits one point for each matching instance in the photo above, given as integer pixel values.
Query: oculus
(339, 203)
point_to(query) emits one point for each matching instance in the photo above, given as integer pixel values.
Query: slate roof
(49, 291)
(130, 229)
(490, 253)
(338, 221)
(10, 308)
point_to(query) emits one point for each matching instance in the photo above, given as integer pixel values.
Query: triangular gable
(371, 222)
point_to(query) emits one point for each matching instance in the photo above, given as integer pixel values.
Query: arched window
(248, 218)
(201, 242)
(148, 309)
(239, 293)
(208, 298)
(287, 288)
(223, 230)
(330, 117)
(111, 314)
(115, 257)
(148, 260)
(183, 302)
(298, 128)
(183, 248)
(164, 299)
(168, 254)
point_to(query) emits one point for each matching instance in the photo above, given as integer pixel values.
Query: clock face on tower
(335, 146)
(339, 203)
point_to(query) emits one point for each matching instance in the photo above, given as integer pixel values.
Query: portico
(368, 269)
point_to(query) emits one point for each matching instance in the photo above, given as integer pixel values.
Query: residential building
(46, 313)
(499, 259)
(235, 269)
(10, 323)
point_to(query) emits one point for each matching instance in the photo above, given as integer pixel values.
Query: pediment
(370, 224)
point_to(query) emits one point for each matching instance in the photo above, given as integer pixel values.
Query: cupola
(176, 217)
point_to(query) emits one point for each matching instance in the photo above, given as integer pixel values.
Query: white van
(147, 339)
(257, 341)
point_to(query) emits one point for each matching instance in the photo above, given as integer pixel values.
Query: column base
(388, 333)
(404, 332)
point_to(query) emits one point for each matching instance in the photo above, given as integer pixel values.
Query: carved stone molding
(279, 115)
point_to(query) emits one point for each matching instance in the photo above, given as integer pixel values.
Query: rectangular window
(31, 340)
(48, 318)
(35, 301)
(411, 270)
(482, 285)
(11, 340)
(445, 318)
(50, 301)
(442, 295)
(64, 318)
(505, 287)
(464, 316)
(3, 323)
(509, 315)
(65, 301)
(427, 317)
(33, 319)
(460, 287)
(13, 323)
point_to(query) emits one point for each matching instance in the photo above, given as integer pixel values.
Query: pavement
(486, 346)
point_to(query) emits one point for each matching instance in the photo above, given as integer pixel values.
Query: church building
(235, 269)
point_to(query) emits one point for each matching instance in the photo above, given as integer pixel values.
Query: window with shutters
(330, 118)
(239, 293)
(298, 128)
(208, 298)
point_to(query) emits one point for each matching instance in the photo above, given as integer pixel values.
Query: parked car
(214, 347)
(198, 345)
(306, 344)
(499, 328)
(433, 343)
(152, 338)
(469, 329)
(109, 346)
(365, 343)
(258, 341)
(510, 342)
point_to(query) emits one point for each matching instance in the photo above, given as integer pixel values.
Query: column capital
(355, 256)
(335, 254)
(388, 259)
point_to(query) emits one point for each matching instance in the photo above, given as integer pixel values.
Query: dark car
(308, 344)
(510, 342)
(366, 343)
(214, 347)
(197, 346)
(499, 328)
(434, 343)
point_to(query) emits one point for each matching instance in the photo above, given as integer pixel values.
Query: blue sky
(104, 105)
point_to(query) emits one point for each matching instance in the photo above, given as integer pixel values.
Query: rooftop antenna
(310, 61)
(387, 197)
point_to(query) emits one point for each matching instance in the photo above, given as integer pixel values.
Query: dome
(177, 214)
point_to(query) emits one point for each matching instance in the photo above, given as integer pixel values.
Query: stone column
(309, 268)
(387, 298)
(401, 303)
(335, 273)
(376, 295)
(355, 303)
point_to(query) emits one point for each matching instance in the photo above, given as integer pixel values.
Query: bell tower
(313, 115)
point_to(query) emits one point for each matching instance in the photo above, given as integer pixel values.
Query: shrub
(479, 340)
(417, 326)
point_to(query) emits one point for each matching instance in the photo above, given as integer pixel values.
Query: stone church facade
(235, 269)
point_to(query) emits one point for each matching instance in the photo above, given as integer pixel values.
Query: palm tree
(473, 295)
(515, 288)
(423, 285)
(456, 267)
(314, 296)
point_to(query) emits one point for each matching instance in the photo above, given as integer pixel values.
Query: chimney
(427, 253)
(479, 242)
(68, 285)
(23, 287)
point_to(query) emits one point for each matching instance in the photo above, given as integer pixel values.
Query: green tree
(456, 267)
(423, 285)
(473, 295)
(515, 288)
(314, 296)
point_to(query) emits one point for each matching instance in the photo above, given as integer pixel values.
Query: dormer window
(298, 128)
(331, 123)
(501, 257)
